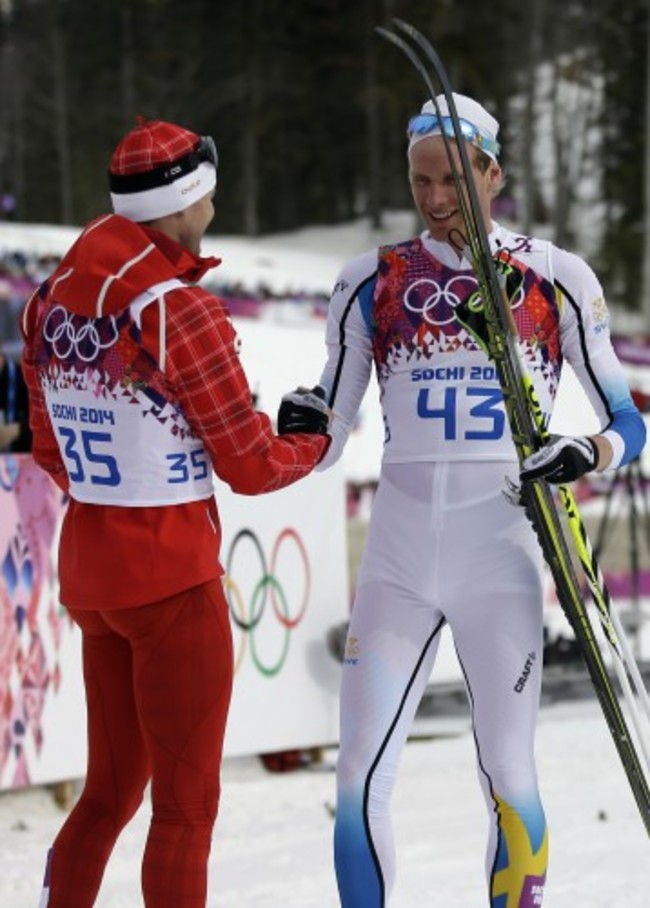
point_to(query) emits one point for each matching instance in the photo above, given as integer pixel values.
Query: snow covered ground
(272, 844)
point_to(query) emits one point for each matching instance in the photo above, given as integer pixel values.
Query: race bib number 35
(88, 458)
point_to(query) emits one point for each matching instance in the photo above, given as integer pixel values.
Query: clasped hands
(564, 458)
(304, 410)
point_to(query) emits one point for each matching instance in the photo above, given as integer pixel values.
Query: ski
(488, 317)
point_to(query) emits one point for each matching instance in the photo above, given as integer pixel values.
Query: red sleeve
(203, 364)
(45, 449)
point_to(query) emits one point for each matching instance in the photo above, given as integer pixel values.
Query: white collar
(448, 255)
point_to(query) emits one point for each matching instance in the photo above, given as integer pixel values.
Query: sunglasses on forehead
(424, 123)
(206, 150)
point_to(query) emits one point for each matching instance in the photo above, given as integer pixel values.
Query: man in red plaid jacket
(137, 394)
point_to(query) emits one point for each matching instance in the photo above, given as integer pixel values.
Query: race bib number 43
(471, 412)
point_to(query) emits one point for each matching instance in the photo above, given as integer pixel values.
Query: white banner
(285, 556)
(287, 585)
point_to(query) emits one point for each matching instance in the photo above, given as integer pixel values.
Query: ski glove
(563, 459)
(304, 410)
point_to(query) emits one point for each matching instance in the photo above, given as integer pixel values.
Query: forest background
(308, 106)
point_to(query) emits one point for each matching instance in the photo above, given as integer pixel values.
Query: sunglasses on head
(424, 123)
(205, 150)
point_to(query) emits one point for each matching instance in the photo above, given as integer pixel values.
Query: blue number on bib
(182, 471)
(109, 475)
(489, 407)
(76, 474)
(448, 412)
(90, 441)
(178, 471)
(200, 463)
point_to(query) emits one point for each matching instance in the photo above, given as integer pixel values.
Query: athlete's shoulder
(582, 292)
(189, 294)
(355, 274)
(573, 272)
(563, 267)
(192, 309)
(358, 271)
(531, 249)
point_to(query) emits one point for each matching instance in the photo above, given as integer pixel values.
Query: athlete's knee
(111, 808)
(350, 770)
(196, 806)
(512, 774)
(120, 802)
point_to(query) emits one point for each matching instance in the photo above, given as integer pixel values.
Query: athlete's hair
(483, 161)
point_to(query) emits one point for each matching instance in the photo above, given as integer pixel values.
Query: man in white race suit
(445, 547)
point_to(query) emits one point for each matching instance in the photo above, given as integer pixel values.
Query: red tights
(158, 681)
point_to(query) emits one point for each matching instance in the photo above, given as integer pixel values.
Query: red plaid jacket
(112, 557)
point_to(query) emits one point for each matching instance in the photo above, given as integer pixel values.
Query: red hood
(114, 261)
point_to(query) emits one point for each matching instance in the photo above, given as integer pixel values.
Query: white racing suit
(444, 546)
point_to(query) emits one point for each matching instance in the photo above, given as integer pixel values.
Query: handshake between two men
(304, 410)
(564, 458)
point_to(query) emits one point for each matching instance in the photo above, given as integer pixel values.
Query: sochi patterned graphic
(414, 301)
(32, 623)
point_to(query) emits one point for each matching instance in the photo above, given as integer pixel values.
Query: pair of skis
(488, 316)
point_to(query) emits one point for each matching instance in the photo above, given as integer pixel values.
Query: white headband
(470, 111)
(150, 204)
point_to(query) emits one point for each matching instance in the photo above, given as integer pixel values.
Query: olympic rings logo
(436, 303)
(63, 331)
(266, 590)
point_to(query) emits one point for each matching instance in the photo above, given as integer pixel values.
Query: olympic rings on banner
(289, 533)
(268, 588)
(231, 588)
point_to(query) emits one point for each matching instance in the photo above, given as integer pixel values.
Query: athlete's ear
(494, 178)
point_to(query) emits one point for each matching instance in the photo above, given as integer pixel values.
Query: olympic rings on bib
(436, 302)
(267, 588)
(69, 333)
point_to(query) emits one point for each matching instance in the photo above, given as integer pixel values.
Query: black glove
(304, 410)
(563, 459)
